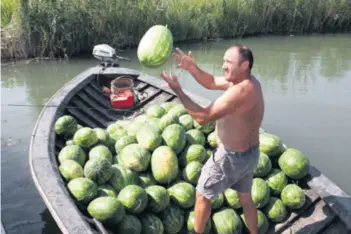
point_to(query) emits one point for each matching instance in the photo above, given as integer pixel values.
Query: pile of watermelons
(139, 175)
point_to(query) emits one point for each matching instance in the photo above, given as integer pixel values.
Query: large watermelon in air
(155, 46)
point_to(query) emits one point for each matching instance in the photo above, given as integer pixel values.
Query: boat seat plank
(151, 92)
(336, 198)
(313, 220)
(161, 98)
(94, 104)
(98, 96)
(99, 120)
(81, 118)
(311, 199)
(337, 227)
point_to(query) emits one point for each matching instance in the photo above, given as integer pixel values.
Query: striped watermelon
(151, 224)
(121, 177)
(155, 46)
(173, 219)
(159, 198)
(98, 170)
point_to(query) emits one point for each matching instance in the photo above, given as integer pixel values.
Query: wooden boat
(327, 208)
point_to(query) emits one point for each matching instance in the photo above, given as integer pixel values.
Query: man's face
(232, 66)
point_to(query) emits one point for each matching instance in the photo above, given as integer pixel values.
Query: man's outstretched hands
(172, 81)
(184, 61)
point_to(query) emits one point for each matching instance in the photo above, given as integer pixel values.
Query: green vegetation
(58, 28)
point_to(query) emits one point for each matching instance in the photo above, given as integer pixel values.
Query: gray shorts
(228, 169)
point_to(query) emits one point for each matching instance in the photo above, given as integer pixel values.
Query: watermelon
(191, 172)
(192, 153)
(158, 198)
(123, 142)
(260, 192)
(149, 138)
(121, 177)
(100, 151)
(294, 163)
(164, 165)
(276, 181)
(232, 198)
(134, 198)
(129, 225)
(123, 123)
(155, 46)
(167, 106)
(103, 136)
(135, 157)
(177, 110)
(167, 120)
(146, 179)
(293, 196)
(262, 222)
(116, 131)
(98, 170)
(217, 201)
(151, 224)
(183, 194)
(190, 223)
(195, 136)
(270, 144)
(85, 137)
(275, 210)
(186, 121)
(173, 219)
(73, 152)
(205, 128)
(212, 140)
(264, 166)
(155, 111)
(83, 189)
(226, 220)
(70, 169)
(106, 210)
(106, 190)
(155, 124)
(134, 127)
(174, 137)
(66, 126)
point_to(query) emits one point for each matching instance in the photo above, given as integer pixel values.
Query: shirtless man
(238, 113)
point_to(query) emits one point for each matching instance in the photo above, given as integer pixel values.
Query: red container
(123, 99)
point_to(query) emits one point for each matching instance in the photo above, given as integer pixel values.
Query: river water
(306, 82)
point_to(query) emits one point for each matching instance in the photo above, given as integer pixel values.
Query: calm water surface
(306, 82)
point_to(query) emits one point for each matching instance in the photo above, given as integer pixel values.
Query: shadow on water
(50, 226)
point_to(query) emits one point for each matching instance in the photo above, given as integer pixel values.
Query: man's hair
(245, 55)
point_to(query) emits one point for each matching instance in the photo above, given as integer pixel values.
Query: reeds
(65, 28)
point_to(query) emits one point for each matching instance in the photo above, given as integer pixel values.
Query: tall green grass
(62, 27)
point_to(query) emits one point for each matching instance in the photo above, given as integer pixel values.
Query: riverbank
(68, 28)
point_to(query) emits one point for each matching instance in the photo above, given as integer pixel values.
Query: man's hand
(184, 61)
(172, 81)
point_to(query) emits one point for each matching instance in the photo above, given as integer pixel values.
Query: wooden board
(337, 227)
(336, 198)
(313, 220)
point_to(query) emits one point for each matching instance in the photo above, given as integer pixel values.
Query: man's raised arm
(187, 62)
